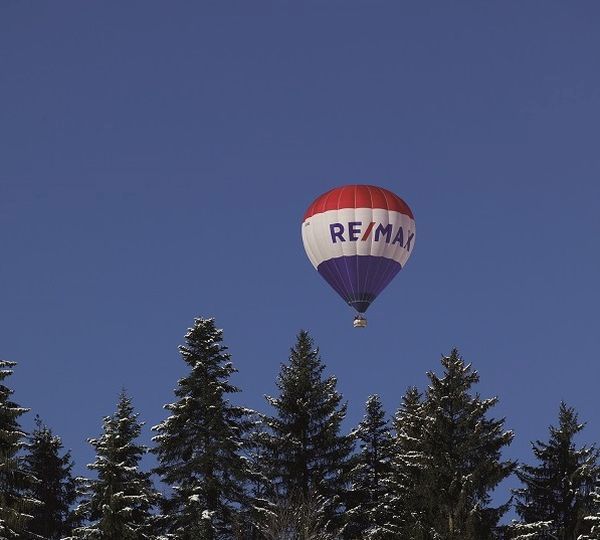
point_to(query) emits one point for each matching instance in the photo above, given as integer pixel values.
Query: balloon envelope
(358, 237)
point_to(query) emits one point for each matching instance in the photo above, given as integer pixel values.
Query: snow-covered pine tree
(401, 510)
(55, 486)
(540, 530)
(117, 504)
(464, 450)
(371, 466)
(298, 519)
(593, 519)
(199, 447)
(307, 455)
(558, 489)
(257, 484)
(15, 504)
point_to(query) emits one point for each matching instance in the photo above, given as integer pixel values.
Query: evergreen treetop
(307, 451)
(54, 487)
(199, 446)
(16, 504)
(118, 503)
(371, 468)
(463, 448)
(401, 508)
(558, 488)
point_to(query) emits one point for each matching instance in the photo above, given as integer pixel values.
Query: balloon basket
(359, 322)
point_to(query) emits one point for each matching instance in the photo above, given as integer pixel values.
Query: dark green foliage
(464, 449)
(371, 467)
(307, 456)
(593, 520)
(298, 519)
(234, 474)
(558, 488)
(55, 487)
(401, 509)
(199, 447)
(540, 530)
(258, 481)
(16, 504)
(447, 461)
(118, 503)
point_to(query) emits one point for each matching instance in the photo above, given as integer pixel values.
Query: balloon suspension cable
(360, 321)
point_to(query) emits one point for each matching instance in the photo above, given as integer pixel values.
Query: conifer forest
(294, 471)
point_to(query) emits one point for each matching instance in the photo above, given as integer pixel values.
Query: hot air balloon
(358, 237)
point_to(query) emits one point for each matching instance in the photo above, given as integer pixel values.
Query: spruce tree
(593, 519)
(199, 447)
(401, 509)
(258, 481)
(55, 486)
(540, 530)
(307, 454)
(463, 448)
(16, 504)
(298, 519)
(118, 503)
(371, 467)
(558, 488)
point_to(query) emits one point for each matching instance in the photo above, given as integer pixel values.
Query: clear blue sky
(157, 158)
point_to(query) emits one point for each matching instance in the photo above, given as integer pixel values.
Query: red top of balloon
(358, 196)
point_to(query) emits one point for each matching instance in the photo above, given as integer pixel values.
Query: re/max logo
(355, 232)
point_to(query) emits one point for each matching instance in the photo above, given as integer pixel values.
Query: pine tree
(593, 519)
(117, 504)
(463, 448)
(15, 504)
(370, 469)
(55, 486)
(401, 508)
(307, 455)
(199, 447)
(298, 519)
(257, 489)
(558, 489)
(540, 530)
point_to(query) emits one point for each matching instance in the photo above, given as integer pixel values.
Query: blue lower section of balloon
(358, 279)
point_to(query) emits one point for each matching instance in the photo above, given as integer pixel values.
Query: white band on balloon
(358, 231)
